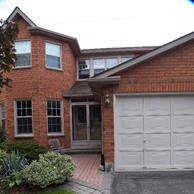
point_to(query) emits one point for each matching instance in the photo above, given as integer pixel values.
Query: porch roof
(79, 89)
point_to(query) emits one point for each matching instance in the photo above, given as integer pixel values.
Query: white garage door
(154, 132)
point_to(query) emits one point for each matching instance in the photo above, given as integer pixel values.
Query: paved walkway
(87, 178)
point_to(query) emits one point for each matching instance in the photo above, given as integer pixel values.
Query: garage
(153, 132)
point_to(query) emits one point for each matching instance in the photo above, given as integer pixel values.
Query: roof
(16, 13)
(79, 89)
(148, 56)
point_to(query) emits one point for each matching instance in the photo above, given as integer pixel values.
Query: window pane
(52, 49)
(98, 63)
(111, 63)
(24, 125)
(84, 64)
(23, 47)
(23, 60)
(83, 74)
(123, 59)
(52, 61)
(97, 71)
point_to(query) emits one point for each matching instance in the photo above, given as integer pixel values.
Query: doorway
(86, 125)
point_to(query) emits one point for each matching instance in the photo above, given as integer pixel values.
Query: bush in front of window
(2, 135)
(30, 150)
(51, 169)
(2, 155)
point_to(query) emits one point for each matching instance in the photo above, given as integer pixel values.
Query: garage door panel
(132, 159)
(181, 141)
(157, 106)
(130, 141)
(157, 159)
(182, 105)
(157, 123)
(127, 107)
(183, 158)
(158, 141)
(129, 124)
(183, 123)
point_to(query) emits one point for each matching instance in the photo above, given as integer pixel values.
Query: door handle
(144, 140)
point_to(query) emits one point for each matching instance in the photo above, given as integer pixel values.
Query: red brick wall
(39, 84)
(170, 72)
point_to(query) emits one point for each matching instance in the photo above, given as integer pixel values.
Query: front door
(86, 125)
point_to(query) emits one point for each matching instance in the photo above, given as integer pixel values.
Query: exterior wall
(39, 83)
(170, 72)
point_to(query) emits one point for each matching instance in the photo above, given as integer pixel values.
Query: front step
(83, 150)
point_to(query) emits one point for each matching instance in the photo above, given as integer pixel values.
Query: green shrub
(52, 168)
(2, 135)
(2, 155)
(30, 150)
(13, 162)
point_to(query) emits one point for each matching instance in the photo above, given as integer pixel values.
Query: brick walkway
(87, 168)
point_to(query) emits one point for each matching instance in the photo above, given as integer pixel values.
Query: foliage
(8, 34)
(52, 168)
(2, 135)
(30, 150)
(9, 181)
(13, 162)
(3, 146)
(2, 155)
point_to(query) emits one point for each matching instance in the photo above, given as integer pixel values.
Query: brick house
(135, 104)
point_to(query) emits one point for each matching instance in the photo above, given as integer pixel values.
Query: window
(54, 116)
(124, 59)
(2, 115)
(23, 116)
(53, 55)
(23, 53)
(84, 69)
(103, 64)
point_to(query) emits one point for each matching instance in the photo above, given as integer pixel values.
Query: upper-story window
(93, 66)
(53, 55)
(23, 53)
(84, 69)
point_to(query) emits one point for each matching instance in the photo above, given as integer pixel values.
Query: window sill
(56, 69)
(24, 136)
(56, 135)
(22, 67)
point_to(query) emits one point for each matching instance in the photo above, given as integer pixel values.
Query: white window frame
(60, 68)
(2, 113)
(15, 118)
(91, 65)
(26, 66)
(61, 116)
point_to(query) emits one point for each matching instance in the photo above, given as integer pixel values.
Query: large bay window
(23, 117)
(23, 53)
(53, 55)
(54, 116)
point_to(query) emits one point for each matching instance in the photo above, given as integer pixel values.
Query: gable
(177, 63)
(17, 13)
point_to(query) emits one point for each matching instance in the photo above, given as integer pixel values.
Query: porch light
(107, 99)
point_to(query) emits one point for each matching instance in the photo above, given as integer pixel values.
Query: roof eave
(72, 41)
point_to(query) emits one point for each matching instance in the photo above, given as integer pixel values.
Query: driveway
(169, 182)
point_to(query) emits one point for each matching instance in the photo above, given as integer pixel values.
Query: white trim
(15, 118)
(62, 133)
